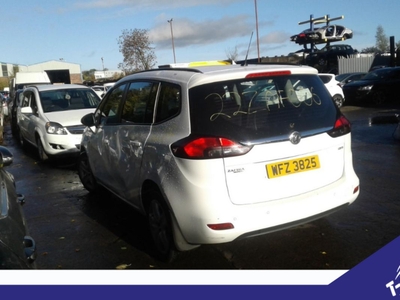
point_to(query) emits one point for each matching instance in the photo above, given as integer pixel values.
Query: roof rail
(198, 64)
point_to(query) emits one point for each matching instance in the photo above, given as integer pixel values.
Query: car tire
(160, 225)
(86, 175)
(339, 100)
(42, 154)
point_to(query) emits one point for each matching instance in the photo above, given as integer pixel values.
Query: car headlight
(55, 128)
(366, 88)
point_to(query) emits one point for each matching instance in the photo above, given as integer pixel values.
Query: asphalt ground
(74, 230)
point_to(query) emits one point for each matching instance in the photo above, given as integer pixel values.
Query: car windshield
(341, 77)
(378, 74)
(261, 110)
(67, 99)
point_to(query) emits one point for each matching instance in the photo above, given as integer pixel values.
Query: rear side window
(324, 78)
(169, 102)
(262, 109)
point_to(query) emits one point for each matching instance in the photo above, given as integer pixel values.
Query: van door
(27, 122)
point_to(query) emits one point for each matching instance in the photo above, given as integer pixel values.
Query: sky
(86, 32)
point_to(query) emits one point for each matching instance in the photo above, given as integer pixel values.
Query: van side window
(25, 99)
(169, 101)
(108, 112)
(139, 103)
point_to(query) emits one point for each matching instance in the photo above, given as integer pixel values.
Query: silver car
(219, 153)
(329, 33)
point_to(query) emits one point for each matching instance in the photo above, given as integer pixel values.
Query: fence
(358, 63)
(355, 64)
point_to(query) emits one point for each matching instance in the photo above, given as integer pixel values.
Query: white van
(23, 79)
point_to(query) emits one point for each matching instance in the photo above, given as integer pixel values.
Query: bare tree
(232, 54)
(134, 44)
(382, 41)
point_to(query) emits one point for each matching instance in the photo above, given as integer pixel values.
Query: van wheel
(42, 154)
(338, 99)
(85, 174)
(160, 226)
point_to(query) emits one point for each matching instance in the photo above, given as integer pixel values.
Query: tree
(382, 41)
(88, 75)
(135, 48)
(370, 50)
(232, 54)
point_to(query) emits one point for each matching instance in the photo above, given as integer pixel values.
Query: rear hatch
(284, 134)
(280, 170)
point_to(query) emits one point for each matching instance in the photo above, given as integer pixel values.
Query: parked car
(376, 87)
(17, 248)
(333, 87)
(348, 77)
(12, 107)
(329, 54)
(49, 118)
(99, 90)
(215, 154)
(301, 53)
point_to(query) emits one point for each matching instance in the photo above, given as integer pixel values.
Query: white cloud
(188, 32)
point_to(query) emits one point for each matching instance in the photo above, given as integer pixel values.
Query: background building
(108, 74)
(59, 71)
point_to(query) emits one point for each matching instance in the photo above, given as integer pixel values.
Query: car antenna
(248, 49)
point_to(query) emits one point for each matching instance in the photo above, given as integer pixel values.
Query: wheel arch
(180, 242)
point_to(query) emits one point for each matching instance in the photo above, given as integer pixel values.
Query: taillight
(341, 127)
(208, 147)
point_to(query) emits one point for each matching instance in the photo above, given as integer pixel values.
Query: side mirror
(88, 120)
(6, 157)
(26, 110)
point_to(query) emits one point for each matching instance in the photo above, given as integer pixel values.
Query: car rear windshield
(262, 109)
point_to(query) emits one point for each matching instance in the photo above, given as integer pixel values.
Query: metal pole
(172, 38)
(102, 62)
(258, 40)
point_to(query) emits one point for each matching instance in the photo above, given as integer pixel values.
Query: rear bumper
(262, 218)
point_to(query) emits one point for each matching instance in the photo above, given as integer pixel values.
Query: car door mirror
(26, 110)
(88, 120)
(6, 157)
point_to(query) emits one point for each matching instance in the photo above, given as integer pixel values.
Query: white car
(334, 87)
(49, 118)
(220, 153)
(101, 90)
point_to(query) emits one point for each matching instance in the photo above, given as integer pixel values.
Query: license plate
(293, 166)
